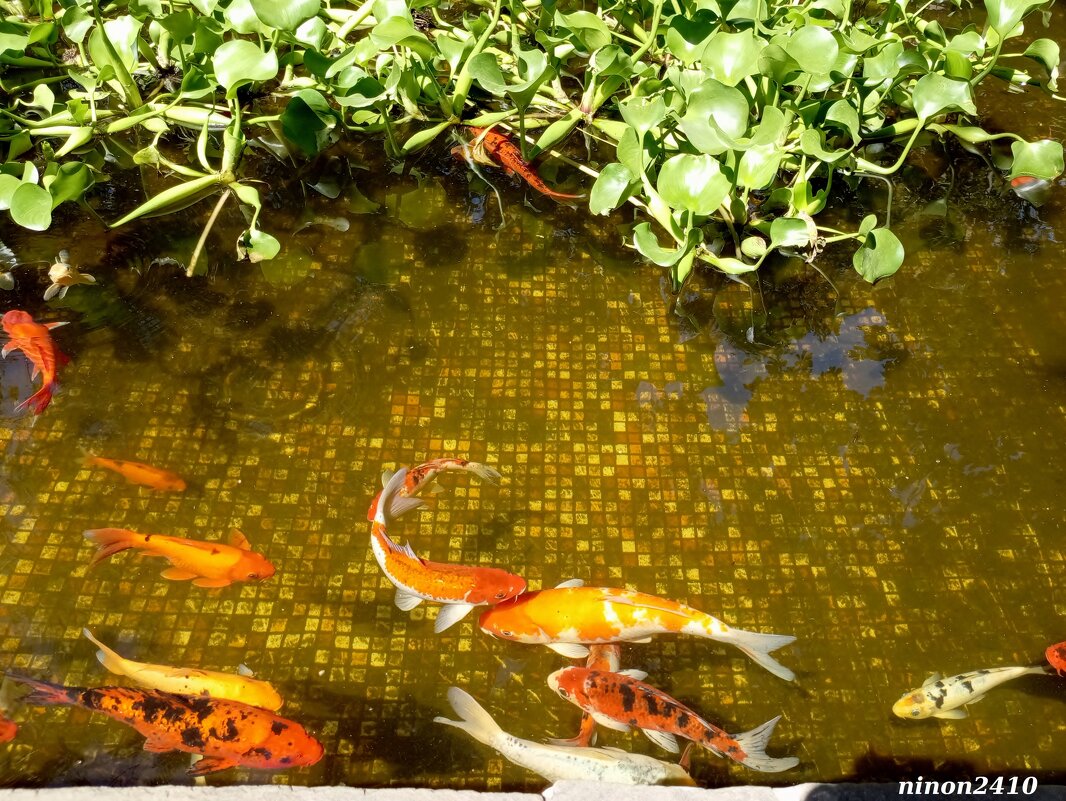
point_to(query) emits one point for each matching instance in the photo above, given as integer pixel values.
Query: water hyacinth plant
(726, 122)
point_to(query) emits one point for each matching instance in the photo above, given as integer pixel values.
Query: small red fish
(601, 657)
(1056, 657)
(621, 701)
(499, 148)
(226, 733)
(421, 479)
(35, 341)
(138, 473)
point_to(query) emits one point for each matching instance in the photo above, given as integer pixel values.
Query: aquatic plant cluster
(726, 122)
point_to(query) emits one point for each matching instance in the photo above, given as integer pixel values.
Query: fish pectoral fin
(210, 765)
(157, 745)
(238, 540)
(449, 615)
(952, 714)
(639, 675)
(569, 583)
(609, 723)
(385, 476)
(211, 583)
(406, 600)
(177, 574)
(976, 698)
(54, 326)
(570, 650)
(663, 740)
(10, 346)
(932, 680)
(36, 372)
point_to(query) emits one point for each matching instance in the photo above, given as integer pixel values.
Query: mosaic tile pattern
(881, 479)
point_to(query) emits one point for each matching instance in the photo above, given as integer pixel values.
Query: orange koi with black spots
(621, 701)
(503, 151)
(227, 733)
(35, 341)
(601, 657)
(1056, 657)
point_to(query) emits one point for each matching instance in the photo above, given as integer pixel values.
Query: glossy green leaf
(307, 121)
(814, 49)
(880, 256)
(759, 165)
(869, 222)
(8, 185)
(956, 65)
(1046, 53)
(934, 94)
(630, 152)
(591, 31)
(71, 181)
(286, 15)
(1041, 159)
(241, 17)
(556, 132)
(401, 31)
(31, 207)
(1004, 15)
(812, 143)
(648, 246)
(716, 115)
(754, 247)
(613, 185)
(692, 183)
(884, 65)
(257, 246)
(419, 140)
(732, 57)
(778, 65)
(642, 114)
(731, 266)
(843, 114)
(789, 232)
(76, 23)
(238, 62)
(122, 32)
(687, 37)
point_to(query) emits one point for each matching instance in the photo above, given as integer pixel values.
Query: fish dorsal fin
(238, 540)
(932, 679)
(638, 675)
(569, 649)
(570, 583)
(407, 551)
(181, 672)
(663, 740)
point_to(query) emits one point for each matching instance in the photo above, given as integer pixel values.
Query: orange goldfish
(1056, 656)
(493, 147)
(569, 615)
(458, 587)
(137, 473)
(226, 733)
(208, 564)
(35, 341)
(421, 479)
(601, 657)
(620, 701)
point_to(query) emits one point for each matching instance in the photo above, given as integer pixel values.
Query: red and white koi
(422, 480)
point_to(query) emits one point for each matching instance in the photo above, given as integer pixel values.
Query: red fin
(110, 540)
(210, 765)
(45, 693)
(238, 540)
(157, 745)
(39, 400)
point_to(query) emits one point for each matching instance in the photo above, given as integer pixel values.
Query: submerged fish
(35, 341)
(621, 701)
(189, 681)
(601, 657)
(208, 564)
(556, 762)
(493, 147)
(1056, 657)
(227, 733)
(137, 473)
(459, 587)
(570, 615)
(944, 698)
(422, 479)
(63, 276)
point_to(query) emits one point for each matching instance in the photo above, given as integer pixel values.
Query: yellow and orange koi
(138, 473)
(422, 480)
(189, 681)
(208, 564)
(570, 616)
(35, 341)
(458, 587)
(226, 733)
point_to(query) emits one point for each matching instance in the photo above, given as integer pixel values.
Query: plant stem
(191, 270)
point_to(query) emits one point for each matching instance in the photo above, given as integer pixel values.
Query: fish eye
(253, 576)
(562, 691)
(506, 633)
(501, 594)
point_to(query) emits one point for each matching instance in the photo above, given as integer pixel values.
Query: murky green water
(876, 470)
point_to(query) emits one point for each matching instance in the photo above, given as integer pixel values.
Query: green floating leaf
(814, 49)
(648, 246)
(286, 15)
(759, 165)
(643, 113)
(790, 232)
(8, 185)
(843, 114)
(307, 121)
(238, 62)
(613, 185)
(422, 138)
(934, 94)
(1046, 53)
(687, 37)
(76, 23)
(242, 18)
(31, 207)
(717, 114)
(880, 256)
(732, 57)
(257, 246)
(754, 247)
(692, 183)
(71, 181)
(885, 65)
(401, 31)
(589, 30)
(1041, 159)
(1004, 15)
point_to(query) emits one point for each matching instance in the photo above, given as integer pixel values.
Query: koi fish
(8, 727)
(189, 681)
(621, 700)
(35, 341)
(63, 276)
(459, 587)
(499, 150)
(137, 473)
(944, 698)
(226, 733)
(423, 479)
(558, 763)
(601, 657)
(565, 617)
(208, 564)
(1056, 656)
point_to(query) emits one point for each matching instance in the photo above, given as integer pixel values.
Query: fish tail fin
(754, 744)
(758, 647)
(88, 458)
(108, 658)
(484, 472)
(475, 719)
(385, 501)
(110, 542)
(40, 399)
(45, 693)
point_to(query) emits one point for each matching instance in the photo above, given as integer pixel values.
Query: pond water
(876, 470)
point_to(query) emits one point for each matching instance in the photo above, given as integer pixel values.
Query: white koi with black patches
(945, 698)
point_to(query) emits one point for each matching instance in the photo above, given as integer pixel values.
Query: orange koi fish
(35, 341)
(458, 587)
(499, 150)
(226, 733)
(137, 473)
(601, 657)
(208, 564)
(422, 479)
(569, 615)
(1056, 657)
(620, 701)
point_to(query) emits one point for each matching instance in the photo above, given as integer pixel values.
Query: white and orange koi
(459, 587)
(421, 480)
(571, 616)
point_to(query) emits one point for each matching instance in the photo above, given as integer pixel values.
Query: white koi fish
(944, 698)
(557, 762)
